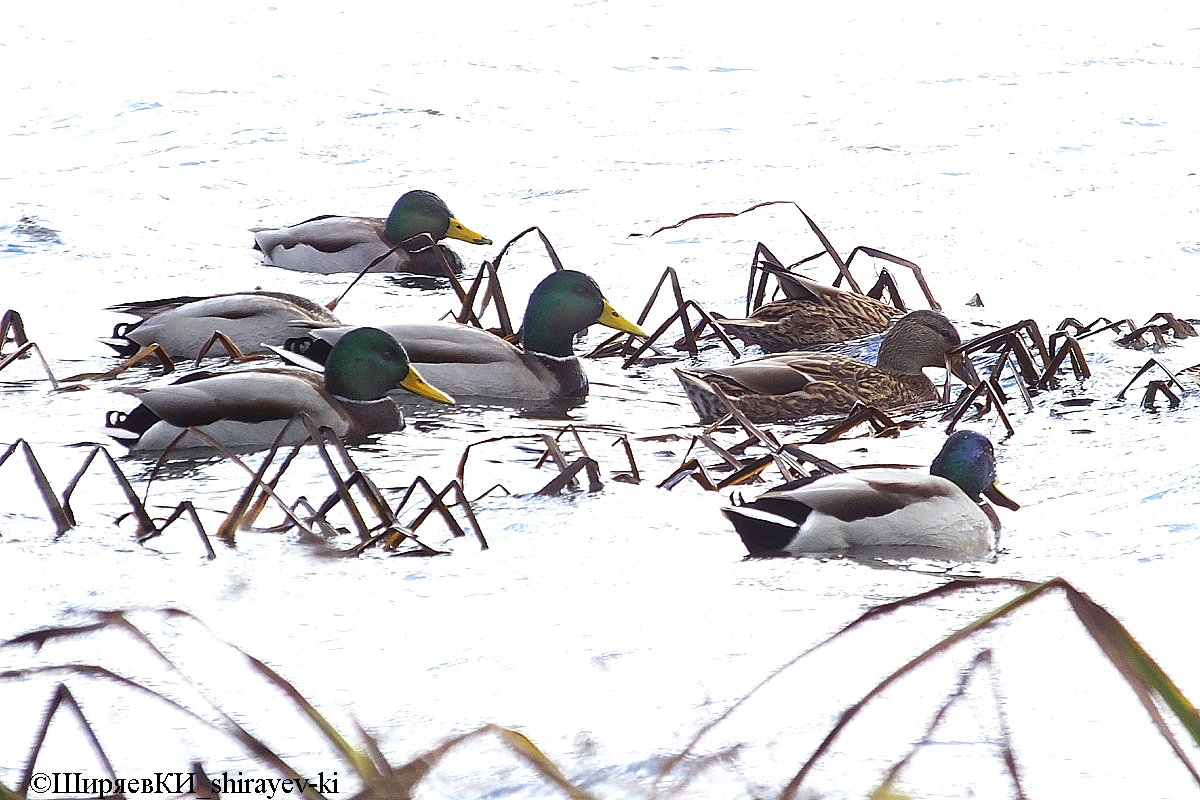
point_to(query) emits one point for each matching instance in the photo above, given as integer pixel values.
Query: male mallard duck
(470, 362)
(813, 313)
(347, 244)
(248, 408)
(882, 508)
(793, 385)
(183, 325)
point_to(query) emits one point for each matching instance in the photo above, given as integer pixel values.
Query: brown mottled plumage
(801, 384)
(813, 313)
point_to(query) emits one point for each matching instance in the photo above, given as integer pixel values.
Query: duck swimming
(470, 362)
(249, 408)
(939, 512)
(800, 384)
(813, 313)
(330, 243)
(183, 325)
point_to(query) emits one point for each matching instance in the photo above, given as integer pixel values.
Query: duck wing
(785, 325)
(250, 319)
(259, 395)
(328, 244)
(866, 493)
(789, 372)
(801, 384)
(328, 233)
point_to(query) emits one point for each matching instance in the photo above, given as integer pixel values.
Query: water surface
(1043, 161)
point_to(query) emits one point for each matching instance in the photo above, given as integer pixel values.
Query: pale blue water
(1042, 158)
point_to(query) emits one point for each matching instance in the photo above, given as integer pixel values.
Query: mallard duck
(249, 408)
(347, 244)
(793, 385)
(470, 362)
(813, 313)
(883, 508)
(183, 325)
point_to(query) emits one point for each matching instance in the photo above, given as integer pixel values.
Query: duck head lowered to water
(184, 325)
(794, 385)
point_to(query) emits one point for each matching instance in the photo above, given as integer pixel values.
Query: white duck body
(868, 509)
(879, 508)
(938, 513)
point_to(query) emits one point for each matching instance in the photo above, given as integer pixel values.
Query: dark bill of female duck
(332, 243)
(470, 362)
(249, 408)
(883, 509)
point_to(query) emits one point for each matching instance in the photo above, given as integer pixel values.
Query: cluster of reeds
(1014, 359)
(1168, 709)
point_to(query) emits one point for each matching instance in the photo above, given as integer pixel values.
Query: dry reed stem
(765, 262)
(438, 503)
(918, 275)
(1141, 673)
(567, 469)
(1151, 364)
(118, 620)
(634, 475)
(837, 259)
(1099, 325)
(367, 762)
(62, 699)
(145, 524)
(32, 346)
(12, 329)
(63, 520)
(982, 660)
(690, 468)
(155, 351)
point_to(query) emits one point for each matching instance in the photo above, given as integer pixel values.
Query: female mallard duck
(183, 325)
(470, 362)
(794, 385)
(348, 244)
(249, 408)
(883, 508)
(813, 313)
